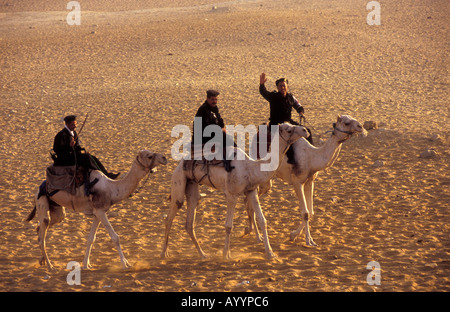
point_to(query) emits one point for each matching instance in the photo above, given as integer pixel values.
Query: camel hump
(200, 156)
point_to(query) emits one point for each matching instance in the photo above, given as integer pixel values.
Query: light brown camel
(243, 180)
(309, 161)
(105, 193)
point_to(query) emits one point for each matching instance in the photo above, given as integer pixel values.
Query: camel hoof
(259, 238)
(86, 265)
(311, 243)
(227, 256)
(164, 254)
(293, 236)
(50, 266)
(204, 256)
(271, 256)
(126, 264)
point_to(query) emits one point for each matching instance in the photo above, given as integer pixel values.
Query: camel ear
(338, 118)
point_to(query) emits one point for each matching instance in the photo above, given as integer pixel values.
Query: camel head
(150, 160)
(346, 126)
(291, 133)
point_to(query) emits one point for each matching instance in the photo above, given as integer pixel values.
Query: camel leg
(44, 224)
(46, 219)
(192, 198)
(309, 191)
(253, 200)
(44, 216)
(173, 209)
(90, 241)
(252, 223)
(101, 215)
(176, 202)
(263, 189)
(249, 227)
(231, 204)
(305, 215)
(299, 190)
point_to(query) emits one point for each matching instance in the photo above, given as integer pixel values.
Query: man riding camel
(69, 151)
(208, 114)
(281, 103)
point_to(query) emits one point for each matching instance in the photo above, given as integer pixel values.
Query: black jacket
(280, 107)
(210, 116)
(66, 155)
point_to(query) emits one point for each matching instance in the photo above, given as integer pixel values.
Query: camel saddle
(198, 158)
(66, 178)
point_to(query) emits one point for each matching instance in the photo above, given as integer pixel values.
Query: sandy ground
(138, 68)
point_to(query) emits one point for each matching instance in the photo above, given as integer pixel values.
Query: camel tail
(31, 215)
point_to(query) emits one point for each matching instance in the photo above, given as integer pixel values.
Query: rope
(148, 176)
(140, 187)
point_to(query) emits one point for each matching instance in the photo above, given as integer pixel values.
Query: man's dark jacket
(280, 107)
(210, 116)
(66, 155)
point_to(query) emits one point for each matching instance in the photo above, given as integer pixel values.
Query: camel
(105, 193)
(243, 180)
(309, 161)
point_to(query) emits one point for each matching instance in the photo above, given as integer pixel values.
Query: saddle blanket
(61, 178)
(66, 178)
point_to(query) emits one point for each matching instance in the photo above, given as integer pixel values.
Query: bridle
(149, 168)
(144, 167)
(290, 136)
(287, 140)
(343, 131)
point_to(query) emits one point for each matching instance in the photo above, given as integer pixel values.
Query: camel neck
(267, 167)
(326, 155)
(124, 187)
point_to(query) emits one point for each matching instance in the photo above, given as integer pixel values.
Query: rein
(145, 168)
(346, 132)
(205, 164)
(148, 175)
(287, 141)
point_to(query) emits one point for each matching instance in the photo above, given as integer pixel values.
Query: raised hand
(262, 78)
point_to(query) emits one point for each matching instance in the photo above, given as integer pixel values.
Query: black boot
(227, 165)
(97, 165)
(113, 176)
(309, 139)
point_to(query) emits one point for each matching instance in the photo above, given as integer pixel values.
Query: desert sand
(138, 68)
